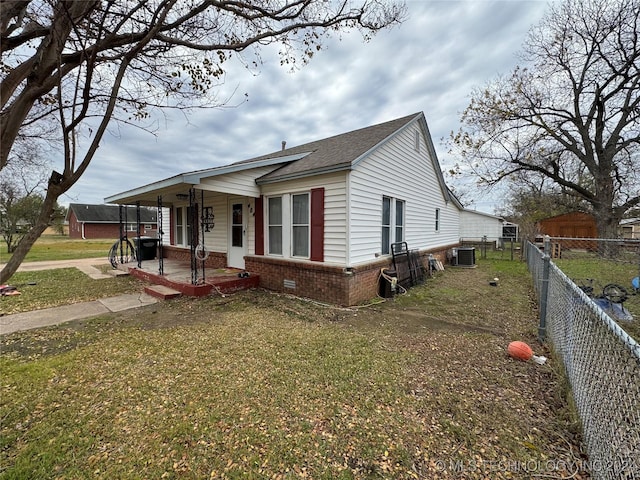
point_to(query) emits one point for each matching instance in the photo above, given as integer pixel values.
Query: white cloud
(430, 63)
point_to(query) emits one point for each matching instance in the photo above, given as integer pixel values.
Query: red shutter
(259, 225)
(317, 224)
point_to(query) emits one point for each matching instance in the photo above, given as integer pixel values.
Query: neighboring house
(316, 220)
(630, 228)
(103, 221)
(570, 225)
(476, 226)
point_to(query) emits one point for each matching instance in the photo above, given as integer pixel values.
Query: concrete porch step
(118, 273)
(162, 292)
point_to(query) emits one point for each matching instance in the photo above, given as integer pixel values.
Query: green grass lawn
(51, 288)
(603, 272)
(259, 385)
(53, 247)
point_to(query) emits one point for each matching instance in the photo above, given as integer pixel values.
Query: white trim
(194, 178)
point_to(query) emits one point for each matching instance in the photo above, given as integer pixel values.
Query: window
(288, 225)
(392, 215)
(191, 232)
(399, 221)
(300, 225)
(275, 225)
(179, 225)
(183, 225)
(386, 225)
(437, 219)
(237, 225)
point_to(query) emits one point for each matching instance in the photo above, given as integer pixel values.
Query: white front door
(237, 234)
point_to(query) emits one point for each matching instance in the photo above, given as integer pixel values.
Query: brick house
(103, 221)
(316, 220)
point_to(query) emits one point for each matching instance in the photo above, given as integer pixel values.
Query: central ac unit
(466, 257)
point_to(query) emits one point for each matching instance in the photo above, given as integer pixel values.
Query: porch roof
(181, 183)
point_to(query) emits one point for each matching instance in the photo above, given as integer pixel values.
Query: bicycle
(122, 251)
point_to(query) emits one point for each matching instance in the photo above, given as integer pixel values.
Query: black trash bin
(146, 246)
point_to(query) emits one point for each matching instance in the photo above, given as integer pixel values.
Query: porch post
(139, 243)
(192, 218)
(159, 234)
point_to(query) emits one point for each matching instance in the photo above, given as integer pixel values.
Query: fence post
(544, 290)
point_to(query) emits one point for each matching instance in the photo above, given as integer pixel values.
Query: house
(630, 228)
(103, 221)
(569, 225)
(315, 220)
(479, 226)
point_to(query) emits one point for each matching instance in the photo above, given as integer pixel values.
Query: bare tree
(534, 197)
(22, 184)
(69, 68)
(571, 115)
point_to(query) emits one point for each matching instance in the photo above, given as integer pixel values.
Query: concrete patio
(177, 276)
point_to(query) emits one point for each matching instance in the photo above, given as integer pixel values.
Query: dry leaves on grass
(268, 386)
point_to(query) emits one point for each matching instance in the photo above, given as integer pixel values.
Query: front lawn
(259, 385)
(51, 288)
(54, 247)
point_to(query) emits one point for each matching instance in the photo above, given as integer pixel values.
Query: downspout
(82, 230)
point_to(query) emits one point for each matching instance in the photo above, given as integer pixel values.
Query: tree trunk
(607, 222)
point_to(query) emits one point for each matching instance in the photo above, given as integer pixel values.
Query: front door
(237, 235)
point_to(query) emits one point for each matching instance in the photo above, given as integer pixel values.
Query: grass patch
(53, 247)
(603, 272)
(51, 288)
(259, 385)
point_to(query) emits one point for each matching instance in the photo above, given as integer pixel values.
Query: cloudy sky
(430, 63)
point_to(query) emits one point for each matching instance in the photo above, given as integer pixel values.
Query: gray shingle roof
(111, 213)
(333, 153)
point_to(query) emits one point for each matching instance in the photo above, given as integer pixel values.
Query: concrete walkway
(77, 311)
(66, 313)
(85, 265)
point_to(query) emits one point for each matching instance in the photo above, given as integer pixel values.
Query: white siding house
(317, 219)
(475, 226)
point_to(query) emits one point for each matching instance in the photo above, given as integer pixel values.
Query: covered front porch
(207, 228)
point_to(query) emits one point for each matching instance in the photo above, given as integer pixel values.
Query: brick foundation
(214, 260)
(326, 283)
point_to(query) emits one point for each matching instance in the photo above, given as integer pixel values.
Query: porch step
(117, 273)
(162, 292)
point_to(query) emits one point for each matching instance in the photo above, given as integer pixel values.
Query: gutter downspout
(82, 229)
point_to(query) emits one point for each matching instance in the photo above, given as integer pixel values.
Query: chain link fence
(502, 248)
(602, 364)
(608, 270)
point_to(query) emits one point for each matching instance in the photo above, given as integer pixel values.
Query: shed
(570, 225)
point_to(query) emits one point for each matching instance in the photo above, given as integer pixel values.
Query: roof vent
(284, 144)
